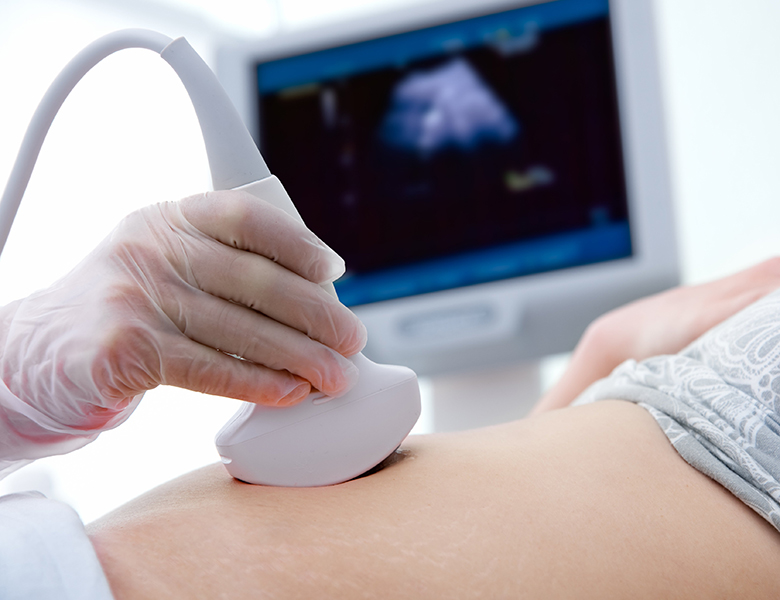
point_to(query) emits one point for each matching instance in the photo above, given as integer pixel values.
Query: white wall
(127, 137)
(722, 75)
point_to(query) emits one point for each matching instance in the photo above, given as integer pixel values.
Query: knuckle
(232, 210)
(326, 358)
(240, 266)
(229, 211)
(130, 243)
(130, 254)
(345, 331)
(126, 362)
(326, 370)
(275, 386)
(321, 324)
(134, 220)
(278, 387)
(316, 265)
(237, 209)
(259, 283)
(124, 300)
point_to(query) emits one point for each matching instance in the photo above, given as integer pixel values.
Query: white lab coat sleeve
(45, 552)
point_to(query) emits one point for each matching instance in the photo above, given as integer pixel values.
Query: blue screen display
(457, 154)
(347, 61)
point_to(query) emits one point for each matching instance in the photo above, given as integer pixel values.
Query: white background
(127, 137)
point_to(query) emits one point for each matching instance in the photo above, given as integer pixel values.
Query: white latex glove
(173, 296)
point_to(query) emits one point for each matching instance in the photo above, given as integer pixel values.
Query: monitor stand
(459, 401)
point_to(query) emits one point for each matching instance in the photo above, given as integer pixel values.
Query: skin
(583, 502)
(664, 323)
(587, 502)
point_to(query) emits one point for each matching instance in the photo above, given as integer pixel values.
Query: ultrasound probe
(322, 440)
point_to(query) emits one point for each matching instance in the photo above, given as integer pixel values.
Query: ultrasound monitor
(493, 173)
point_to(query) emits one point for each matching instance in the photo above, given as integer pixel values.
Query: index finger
(243, 221)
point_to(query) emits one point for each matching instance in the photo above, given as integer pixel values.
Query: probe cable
(50, 104)
(233, 157)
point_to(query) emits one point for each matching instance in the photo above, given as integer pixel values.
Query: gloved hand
(217, 293)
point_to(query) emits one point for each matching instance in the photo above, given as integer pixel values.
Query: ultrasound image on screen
(448, 107)
(458, 154)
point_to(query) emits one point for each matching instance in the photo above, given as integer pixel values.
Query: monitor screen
(456, 154)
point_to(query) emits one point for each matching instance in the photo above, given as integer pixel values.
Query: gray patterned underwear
(718, 402)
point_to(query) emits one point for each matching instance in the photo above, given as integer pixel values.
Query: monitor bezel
(532, 315)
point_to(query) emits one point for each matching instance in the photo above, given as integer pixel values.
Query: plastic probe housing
(322, 440)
